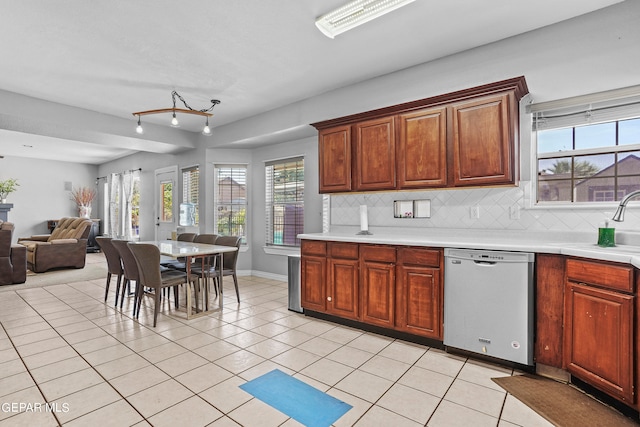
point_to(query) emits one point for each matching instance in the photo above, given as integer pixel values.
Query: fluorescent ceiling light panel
(355, 13)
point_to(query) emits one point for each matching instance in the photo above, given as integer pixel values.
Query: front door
(166, 191)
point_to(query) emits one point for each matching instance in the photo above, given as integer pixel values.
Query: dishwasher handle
(485, 263)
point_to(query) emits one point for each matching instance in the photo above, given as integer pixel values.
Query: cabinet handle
(328, 298)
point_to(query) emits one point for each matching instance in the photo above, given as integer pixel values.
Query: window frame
(573, 113)
(270, 227)
(216, 187)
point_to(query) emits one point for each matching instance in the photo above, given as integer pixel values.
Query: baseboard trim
(263, 274)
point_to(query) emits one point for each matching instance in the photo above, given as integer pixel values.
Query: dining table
(191, 252)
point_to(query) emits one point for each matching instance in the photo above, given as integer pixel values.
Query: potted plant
(83, 197)
(7, 187)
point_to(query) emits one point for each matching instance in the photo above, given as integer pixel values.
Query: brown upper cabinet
(335, 159)
(483, 141)
(464, 138)
(375, 155)
(422, 148)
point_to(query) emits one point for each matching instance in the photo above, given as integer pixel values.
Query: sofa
(65, 247)
(13, 258)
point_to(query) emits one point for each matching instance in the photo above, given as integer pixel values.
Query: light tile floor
(95, 365)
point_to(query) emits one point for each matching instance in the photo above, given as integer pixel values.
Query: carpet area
(305, 404)
(56, 277)
(561, 404)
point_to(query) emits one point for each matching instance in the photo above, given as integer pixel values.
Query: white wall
(277, 264)
(41, 195)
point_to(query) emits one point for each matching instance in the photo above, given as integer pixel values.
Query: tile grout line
(79, 355)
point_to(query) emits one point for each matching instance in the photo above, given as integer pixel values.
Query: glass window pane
(553, 190)
(595, 190)
(629, 163)
(629, 132)
(593, 136)
(554, 140)
(601, 165)
(560, 167)
(166, 193)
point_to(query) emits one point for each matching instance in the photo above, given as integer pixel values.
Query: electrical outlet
(514, 212)
(474, 212)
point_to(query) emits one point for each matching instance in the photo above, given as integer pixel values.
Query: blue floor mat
(300, 401)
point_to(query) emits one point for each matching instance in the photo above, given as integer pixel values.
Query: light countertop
(580, 244)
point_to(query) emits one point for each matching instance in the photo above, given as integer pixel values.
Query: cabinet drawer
(616, 277)
(419, 256)
(343, 250)
(313, 247)
(378, 253)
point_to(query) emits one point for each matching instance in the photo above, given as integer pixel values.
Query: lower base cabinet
(394, 287)
(378, 278)
(588, 323)
(313, 275)
(599, 339)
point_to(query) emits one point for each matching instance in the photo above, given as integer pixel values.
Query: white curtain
(127, 196)
(121, 188)
(114, 187)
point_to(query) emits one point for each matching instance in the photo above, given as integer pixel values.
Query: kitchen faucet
(619, 215)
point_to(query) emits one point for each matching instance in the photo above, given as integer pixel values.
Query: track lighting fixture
(174, 119)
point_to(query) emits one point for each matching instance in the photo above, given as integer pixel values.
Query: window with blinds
(230, 201)
(189, 208)
(587, 153)
(284, 201)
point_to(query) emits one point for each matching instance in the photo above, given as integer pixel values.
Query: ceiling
(121, 56)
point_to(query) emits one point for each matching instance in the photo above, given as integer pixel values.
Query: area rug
(56, 277)
(561, 404)
(305, 404)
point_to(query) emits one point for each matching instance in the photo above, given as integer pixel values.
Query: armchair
(13, 258)
(65, 247)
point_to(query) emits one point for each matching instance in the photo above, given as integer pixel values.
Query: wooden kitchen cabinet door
(422, 149)
(420, 305)
(375, 155)
(378, 293)
(483, 143)
(598, 340)
(312, 282)
(342, 288)
(334, 154)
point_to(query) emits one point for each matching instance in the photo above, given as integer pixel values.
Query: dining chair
(114, 265)
(208, 263)
(131, 273)
(147, 257)
(229, 262)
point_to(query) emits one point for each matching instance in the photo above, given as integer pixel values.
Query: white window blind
(230, 201)
(190, 196)
(284, 201)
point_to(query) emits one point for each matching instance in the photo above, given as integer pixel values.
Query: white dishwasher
(488, 303)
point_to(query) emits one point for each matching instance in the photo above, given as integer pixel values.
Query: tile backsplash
(498, 208)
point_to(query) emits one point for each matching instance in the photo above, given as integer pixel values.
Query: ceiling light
(206, 130)
(139, 127)
(187, 110)
(355, 13)
(174, 121)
